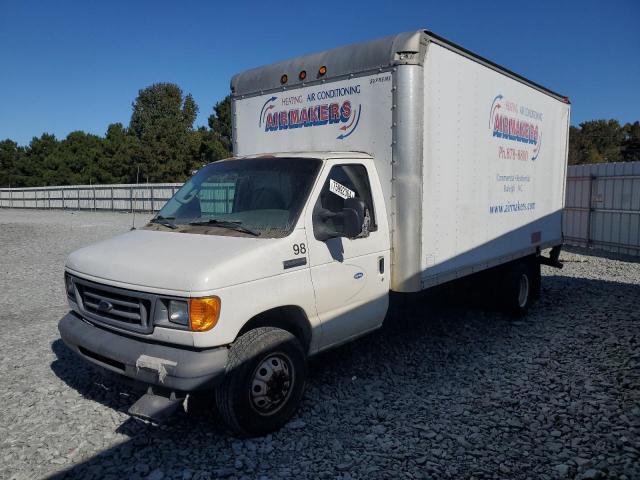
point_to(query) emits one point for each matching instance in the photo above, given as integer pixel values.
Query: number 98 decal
(299, 249)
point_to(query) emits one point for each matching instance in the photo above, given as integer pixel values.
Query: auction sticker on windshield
(340, 190)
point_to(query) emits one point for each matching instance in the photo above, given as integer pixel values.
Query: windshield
(258, 196)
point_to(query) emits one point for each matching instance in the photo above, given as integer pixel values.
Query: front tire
(264, 381)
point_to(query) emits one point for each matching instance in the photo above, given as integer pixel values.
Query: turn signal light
(203, 313)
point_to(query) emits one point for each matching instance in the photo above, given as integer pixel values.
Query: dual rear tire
(520, 287)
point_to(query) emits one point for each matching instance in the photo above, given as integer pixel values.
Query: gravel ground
(455, 392)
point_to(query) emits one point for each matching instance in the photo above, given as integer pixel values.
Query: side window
(346, 181)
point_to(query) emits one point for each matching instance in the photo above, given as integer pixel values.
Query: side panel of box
(494, 167)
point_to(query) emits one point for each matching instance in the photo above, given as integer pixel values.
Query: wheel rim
(271, 384)
(523, 292)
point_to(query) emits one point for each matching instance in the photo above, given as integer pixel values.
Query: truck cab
(293, 246)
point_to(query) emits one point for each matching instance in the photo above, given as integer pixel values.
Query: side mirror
(347, 223)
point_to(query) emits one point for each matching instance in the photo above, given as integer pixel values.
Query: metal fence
(214, 197)
(602, 208)
(122, 197)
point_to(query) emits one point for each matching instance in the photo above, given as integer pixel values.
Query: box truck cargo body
(395, 165)
(471, 157)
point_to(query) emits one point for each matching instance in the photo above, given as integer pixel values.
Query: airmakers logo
(519, 125)
(288, 113)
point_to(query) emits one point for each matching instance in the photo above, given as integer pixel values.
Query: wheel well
(291, 318)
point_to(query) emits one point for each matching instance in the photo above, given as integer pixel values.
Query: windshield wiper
(165, 221)
(232, 225)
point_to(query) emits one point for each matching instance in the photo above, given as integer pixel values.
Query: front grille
(114, 306)
(120, 307)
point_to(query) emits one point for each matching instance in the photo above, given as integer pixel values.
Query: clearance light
(284, 79)
(203, 313)
(302, 75)
(322, 71)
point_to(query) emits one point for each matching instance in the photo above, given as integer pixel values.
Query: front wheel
(264, 381)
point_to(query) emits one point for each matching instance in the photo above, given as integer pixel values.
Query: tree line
(161, 144)
(606, 141)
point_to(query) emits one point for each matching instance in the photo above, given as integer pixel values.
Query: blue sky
(78, 65)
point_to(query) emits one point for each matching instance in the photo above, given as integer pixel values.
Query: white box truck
(389, 166)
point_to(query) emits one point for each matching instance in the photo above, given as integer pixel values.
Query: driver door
(350, 276)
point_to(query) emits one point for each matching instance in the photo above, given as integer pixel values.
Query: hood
(180, 262)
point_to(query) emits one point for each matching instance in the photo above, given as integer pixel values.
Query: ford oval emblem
(104, 306)
(358, 275)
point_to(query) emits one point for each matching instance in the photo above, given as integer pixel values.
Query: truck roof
(307, 154)
(357, 59)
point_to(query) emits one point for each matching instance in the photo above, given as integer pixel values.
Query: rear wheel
(520, 285)
(264, 382)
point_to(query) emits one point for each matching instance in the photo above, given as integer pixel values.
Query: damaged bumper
(152, 363)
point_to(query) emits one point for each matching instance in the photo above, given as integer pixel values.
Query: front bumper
(152, 363)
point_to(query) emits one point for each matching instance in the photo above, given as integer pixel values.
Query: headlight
(203, 313)
(179, 312)
(195, 314)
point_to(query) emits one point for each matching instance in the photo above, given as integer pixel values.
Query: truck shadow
(455, 338)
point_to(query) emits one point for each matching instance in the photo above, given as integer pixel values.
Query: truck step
(155, 408)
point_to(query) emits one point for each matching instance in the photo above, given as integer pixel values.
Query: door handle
(381, 265)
